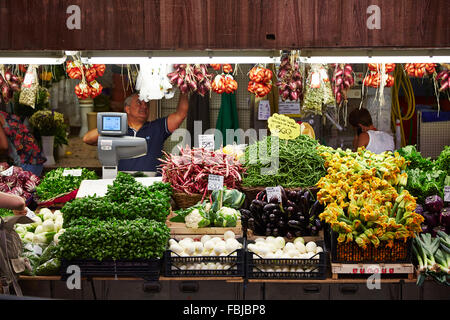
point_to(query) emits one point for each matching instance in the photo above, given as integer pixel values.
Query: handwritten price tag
(8, 172)
(263, 110)
(283, 126)
(447, 193)
(30, 214)
(273, 192)
(72, 172)
(206, 141)
(215, 182)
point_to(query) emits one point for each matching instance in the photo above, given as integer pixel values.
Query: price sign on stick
(273, 192)
(215, 182)
(283, 126)
(206, 141)
(447, 193)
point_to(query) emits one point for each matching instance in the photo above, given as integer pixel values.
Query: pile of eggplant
(297, 214)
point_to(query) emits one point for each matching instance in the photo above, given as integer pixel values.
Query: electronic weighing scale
(114, 144)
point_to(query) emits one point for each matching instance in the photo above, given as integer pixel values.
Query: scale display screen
(111, 123)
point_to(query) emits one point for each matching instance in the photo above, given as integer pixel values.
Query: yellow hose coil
(401, 79)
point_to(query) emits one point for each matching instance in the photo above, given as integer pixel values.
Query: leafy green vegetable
(415, 158)
(114, 239)
(125, 199)
(54, 183)
(299, 165)
(6, 212)
(443, 161)
(422, 184)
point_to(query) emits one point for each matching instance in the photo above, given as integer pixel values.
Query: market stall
(276, 196)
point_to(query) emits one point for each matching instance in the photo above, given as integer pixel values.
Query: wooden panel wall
(221, 24)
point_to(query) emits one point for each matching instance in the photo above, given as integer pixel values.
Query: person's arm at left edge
(13, 202)
(174, 120)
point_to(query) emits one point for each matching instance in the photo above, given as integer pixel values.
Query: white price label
(8, 172)
(72, 172)
(30, 214)
(288, 107)
(215, 182)
(447, 193)
(206, 141)
(263, 110)
(273, 192)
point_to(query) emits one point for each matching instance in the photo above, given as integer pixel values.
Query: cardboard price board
(283, 127)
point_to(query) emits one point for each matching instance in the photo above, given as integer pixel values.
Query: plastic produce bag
(49, 268)
(49, 253)
(30, 87)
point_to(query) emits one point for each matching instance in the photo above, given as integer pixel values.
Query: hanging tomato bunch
(374, 79)
(419, 70)
(260, 82)
(224, 83)
(88, 87)
(342, 81)
(226, 68)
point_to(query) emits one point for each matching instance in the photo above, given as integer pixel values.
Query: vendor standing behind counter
(155, 132)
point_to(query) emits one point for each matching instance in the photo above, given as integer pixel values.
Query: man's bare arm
(91, 137)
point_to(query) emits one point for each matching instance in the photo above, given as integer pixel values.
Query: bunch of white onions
(207, 247)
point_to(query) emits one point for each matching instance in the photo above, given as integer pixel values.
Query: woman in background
(367, 135)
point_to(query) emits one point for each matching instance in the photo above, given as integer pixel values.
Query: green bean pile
(300, 164)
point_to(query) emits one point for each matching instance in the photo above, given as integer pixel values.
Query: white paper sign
(72, 172)
(30, 214)
(273, 192)
(288, 107)
(447, 193)
(263, 110)
(206, 141)
(8, 172)
(215, 182)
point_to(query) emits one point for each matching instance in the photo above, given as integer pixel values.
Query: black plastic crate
(236, 260)
(318, 266)
(148, 269)
(400, 252)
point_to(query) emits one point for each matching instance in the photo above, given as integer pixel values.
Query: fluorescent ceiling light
(29, 57)
(186, 57)
(375, 56)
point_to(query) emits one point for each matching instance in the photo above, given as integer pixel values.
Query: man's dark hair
(360, 116)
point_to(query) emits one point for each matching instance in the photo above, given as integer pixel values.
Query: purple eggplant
(431, 219)
(444, 217)
(434, 203)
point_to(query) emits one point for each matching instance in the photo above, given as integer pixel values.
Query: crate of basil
(287, 268)
(121, 234)
(232, 265)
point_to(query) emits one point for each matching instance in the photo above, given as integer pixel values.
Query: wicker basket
(184, 200)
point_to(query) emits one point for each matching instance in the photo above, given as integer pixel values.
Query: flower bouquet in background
(50, 128)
